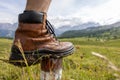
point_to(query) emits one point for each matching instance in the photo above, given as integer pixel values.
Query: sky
(101, 11)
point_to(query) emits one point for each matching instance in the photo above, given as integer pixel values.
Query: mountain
(63, 24)
(67, 30)
(64, 28)
(109, 31)
(7, 29)
(4, 26)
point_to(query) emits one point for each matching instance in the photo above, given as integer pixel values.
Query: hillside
(101, 31)
(79, 26)
(82, 65)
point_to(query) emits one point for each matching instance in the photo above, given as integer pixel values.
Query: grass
(82, 65)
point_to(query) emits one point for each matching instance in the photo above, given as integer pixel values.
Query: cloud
(84, 3)
(9, 10)
(105, 14)
(12, 5)
(68, 7)
(102, 11)
(61, 7)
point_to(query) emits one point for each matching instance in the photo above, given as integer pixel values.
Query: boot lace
(50, 29)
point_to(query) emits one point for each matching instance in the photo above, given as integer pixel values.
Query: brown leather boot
(35, 38)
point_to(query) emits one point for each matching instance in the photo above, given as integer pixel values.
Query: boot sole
(51, 53)
(34, 57)
(56, 54)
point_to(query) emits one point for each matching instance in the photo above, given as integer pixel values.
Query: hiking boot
(35, 38)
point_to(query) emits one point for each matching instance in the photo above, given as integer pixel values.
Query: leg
(38, 5)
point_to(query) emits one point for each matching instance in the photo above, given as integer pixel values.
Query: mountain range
(64, 28)
(8, 30)
(111, 31)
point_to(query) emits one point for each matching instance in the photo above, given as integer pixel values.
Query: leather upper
(35, 36)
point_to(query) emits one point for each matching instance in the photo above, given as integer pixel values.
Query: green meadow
(82, 65)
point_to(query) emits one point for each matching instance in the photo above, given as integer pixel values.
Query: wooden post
(51, 68)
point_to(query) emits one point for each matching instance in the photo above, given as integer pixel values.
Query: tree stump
(51, 68)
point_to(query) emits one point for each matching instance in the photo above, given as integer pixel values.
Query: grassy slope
(82, 65)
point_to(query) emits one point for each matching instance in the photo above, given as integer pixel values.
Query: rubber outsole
(34, 57)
